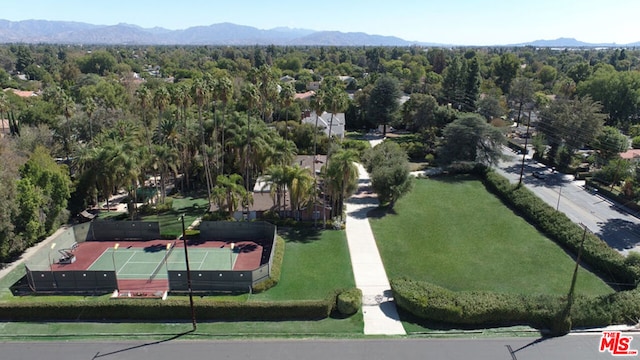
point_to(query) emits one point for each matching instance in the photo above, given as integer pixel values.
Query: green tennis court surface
(135, 263)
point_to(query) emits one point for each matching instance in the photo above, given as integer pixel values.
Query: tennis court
(155, 262)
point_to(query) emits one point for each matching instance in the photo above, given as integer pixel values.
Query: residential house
(263, 201)
(324, 120)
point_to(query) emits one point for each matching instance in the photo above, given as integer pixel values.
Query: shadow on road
(177, 336)
(620, 234)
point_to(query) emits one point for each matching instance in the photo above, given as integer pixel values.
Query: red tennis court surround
(103, 256)
(249, 253)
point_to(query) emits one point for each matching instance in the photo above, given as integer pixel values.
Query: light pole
(113, 258)
(51, 262)
(166, 259)
(51, 265)
(186, 259)
(232, 246)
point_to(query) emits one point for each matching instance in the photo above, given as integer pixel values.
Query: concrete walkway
(379, 310)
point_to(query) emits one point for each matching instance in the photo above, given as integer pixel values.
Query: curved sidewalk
(378, 308)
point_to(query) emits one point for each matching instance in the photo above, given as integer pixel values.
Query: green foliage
(383, 101)
(470, 138)
(98, 62)
(635, 142)
(389, 168)
(477, 308)
(168, 310)
(348, 302)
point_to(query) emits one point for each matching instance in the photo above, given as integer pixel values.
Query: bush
(477, 308)
(348, 302)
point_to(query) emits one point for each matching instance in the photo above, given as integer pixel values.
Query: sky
(458, 22)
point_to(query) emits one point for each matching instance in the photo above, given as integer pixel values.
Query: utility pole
(186, 259)
(524, 153)
(575, 271)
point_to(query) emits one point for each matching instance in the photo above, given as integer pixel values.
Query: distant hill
(570, 43)
(60, 32)
(66, 32)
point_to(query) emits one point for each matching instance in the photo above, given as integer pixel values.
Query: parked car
(539, 175)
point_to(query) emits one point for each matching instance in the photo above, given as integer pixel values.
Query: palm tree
(276, 179)
(251, 97)
(301, 188)
(281, 152)
(166, 159)
(286, 96)
(341, 177)
(224, 92)
(200, 95)
(337, 101)
(319, 107)
(89, 108)
(229, 191)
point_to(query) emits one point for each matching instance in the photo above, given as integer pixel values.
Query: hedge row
(477, 308)
(607, 262)
(171, 309)
(435, 303)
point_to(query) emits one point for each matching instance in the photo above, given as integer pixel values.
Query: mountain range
(65, 32)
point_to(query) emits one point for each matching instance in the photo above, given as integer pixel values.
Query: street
(578, 346)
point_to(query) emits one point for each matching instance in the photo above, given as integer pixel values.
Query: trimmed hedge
(478, 308)
(348, 302)
(171, 309)
(607, 262)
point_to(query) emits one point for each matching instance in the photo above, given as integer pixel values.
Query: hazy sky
(462, 22)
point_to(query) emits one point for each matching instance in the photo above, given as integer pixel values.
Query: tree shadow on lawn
(380, 212)
(300, 235)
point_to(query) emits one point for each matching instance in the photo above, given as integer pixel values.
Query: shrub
(348, 302)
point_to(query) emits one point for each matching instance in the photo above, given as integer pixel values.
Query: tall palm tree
(224, 93)
(337, 101)
(167, 161)
(229, 192)
(286, 96)
(90, 108)
(301, 188)
(276, 179)
(200, 95)
(341, 177)
(251, 96)
(281, 152)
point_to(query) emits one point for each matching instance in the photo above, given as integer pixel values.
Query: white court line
(126, 262)
(98, 258)
(202, 261)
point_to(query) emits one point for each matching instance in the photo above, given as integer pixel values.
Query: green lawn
(315, 263)
(454, 233)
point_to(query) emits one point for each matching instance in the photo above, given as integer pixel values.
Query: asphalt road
(582, 347)
(610, 221)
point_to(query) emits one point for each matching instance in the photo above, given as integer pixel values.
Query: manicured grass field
(454, 233)
(315, 263)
